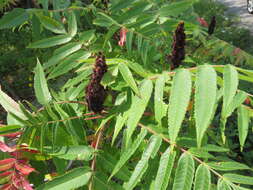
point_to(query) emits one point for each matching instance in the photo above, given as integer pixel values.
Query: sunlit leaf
(128, 77)
(228, 166)
(175, 8)
(7, 129)
(230, 78)
(73, 179)
(14, 18)
(243, 124)
(202, 178)
(142, 165)
(236, 178)
(72, 24)
(160, 107)
(51, 24)
(179, 100)
(40, 85)
(184, 173)
(164, 170)
(62, 53)
(10, 105)
(205, 98)
(129, 152)
(140, 103)
(69, 63)
(80, 152)
(50, 42)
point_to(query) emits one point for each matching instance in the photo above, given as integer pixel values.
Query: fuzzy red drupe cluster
(178, 47)
(95, 92)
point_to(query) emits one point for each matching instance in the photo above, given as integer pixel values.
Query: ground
(239, 7)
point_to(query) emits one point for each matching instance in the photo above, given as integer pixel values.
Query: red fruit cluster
(100, 68)
(95, 92)
(178, 47)
(212, 25)
(202, 21)
(123, 33)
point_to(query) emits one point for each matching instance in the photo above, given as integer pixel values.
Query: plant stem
(93, 163)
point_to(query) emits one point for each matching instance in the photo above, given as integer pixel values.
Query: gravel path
(239, 7)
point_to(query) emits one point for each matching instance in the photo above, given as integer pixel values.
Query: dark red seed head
(212, 25)
(178, 47)
(95, 92)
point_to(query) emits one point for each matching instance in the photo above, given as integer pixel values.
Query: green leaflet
(139, 7)
(16, 120)
(31, 117)
(149, 30)
(87, 36)
(241, 179)
(69, 124)
(40, 86)
(237, 187)
(51, 24)
(129, 152)
(141, 167)
(104, 20)
(129, 41)
(230, 78)
(14, 18)
(138, 107)
(109, 34)
(160, 106)
(119, 125)
(205, 98)
(184, 173)
(246, 72)
(69, 63)
(107, 162)
(62, 52)
(243, 124)
(228, 166)
(164, 170)
(144, 51)
(9, 129)
(179, 100)
(128, 77)
(137, 68)
(72, 24)
(222, 185)
(50, 42)
(10, 105)
(83, 76)
(60, 165)
(78, 91)
(202, 178)
(200, 153)
(121, 4)
(238, 99)
(175, 8)
(141, 22)
(73, 179)
(80, 152)
(214, 148)
(42, 130)
(100, 182)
